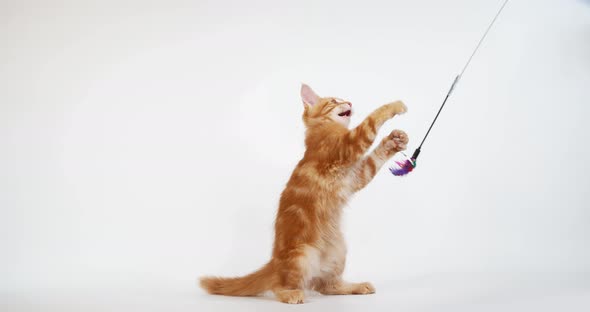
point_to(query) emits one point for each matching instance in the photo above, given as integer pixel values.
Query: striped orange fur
(309, 249)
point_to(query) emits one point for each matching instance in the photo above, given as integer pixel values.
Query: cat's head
(322, 110)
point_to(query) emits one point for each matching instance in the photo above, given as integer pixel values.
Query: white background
(145, 144)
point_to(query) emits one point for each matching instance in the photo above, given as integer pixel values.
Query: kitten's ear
(309, 97)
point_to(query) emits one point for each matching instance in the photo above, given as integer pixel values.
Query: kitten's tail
(250, 285)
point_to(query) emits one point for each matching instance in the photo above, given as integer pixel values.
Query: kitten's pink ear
(309, 97)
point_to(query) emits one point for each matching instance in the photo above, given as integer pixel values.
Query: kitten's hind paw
(363, 289)
(291, 296)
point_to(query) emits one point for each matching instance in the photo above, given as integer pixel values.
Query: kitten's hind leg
(294, 274)
(290, 282)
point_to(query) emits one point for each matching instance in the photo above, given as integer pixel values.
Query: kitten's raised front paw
(395, 142)
(398, 107)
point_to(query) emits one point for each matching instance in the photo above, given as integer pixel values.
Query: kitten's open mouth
(346, 113)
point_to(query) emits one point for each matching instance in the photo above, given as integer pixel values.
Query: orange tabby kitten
(309, 250)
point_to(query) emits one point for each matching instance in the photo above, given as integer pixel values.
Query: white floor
(437, 292)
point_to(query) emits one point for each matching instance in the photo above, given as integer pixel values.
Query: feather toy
(406, 165)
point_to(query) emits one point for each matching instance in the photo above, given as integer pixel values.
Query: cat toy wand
(406, 166)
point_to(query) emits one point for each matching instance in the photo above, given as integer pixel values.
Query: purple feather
(403, 167)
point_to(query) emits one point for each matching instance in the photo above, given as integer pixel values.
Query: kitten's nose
(349, 104)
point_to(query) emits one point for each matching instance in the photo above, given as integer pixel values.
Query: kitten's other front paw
(398, 107)
(395, 142)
